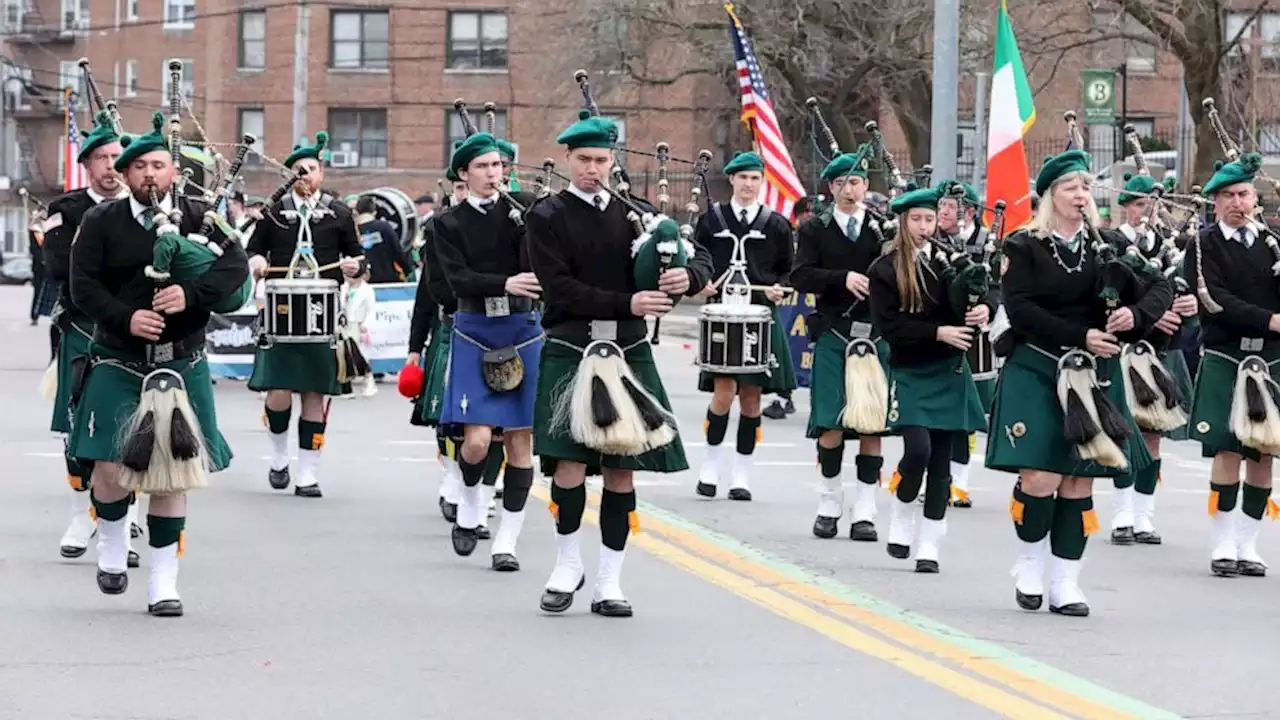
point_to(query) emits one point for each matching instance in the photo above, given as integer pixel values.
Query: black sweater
(1239, 279)
(68, 212)
(582, 257)
(478, 251)
(1053, 308)
(768, 261)
(913, 336)
(108, 283)
(433, 292)
(825, 257)
(333, 237)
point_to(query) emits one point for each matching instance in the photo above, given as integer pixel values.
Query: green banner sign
(1099, 90)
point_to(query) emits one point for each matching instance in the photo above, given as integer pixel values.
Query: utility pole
(979, 133)
(301, 35)
(946, 88)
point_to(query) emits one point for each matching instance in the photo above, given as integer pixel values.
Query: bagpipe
(968, 281)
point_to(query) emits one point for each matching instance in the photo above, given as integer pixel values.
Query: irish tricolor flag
(1012, 113)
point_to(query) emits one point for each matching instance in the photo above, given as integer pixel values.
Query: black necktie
(486, 204)
(742, 216)
(599, 202)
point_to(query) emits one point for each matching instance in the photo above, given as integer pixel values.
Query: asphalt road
(356, 606)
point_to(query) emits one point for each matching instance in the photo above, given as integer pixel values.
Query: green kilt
(1026, 419)
(826, 384)
(74, 344)
(556, 371)
(1176, 364)
(933, 396)
(1214, 391)
(781, 379)
(111, 392)
(435, 364)
(298, 367)
(986, 394)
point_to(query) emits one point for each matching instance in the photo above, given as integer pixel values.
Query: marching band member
(833, 252)
(309, 369)
(932, 394)
(768, 263)
(98, 153)
(139, 329)
(580, 243)
(1064, 327)
(497, 337)
(1233, 262)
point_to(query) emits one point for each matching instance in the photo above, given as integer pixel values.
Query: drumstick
(762, 288)
(322, 268)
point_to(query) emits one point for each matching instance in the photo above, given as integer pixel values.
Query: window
(188, 80)
(180, 14)
(253, 121)
(363, 132)
(69, 76)
(75, 14)
(1232, 28)
(1269, 138)
(16, 80)
(131, 13)
(253, 39)
(131, 78)
(456, 133)
(477, 40)
(13, 12)
(1146, 127)
(359, 39)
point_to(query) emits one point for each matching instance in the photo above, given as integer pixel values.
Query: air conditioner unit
(344, 158)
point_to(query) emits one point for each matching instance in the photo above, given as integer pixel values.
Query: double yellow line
(962, 671)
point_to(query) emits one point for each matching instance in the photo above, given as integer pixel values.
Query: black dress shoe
(962, 503)
(135, 531)
(1147, 538)
(825, 527)
(112, 583)
(166, 608)
(556, 601)
(279, 479)
(927, 566)
(1249, 568)
(134, 560)
(497, 493)
(1071, 609)
(449, 510)
(482, 532)
(1122, 536)
(1028, 602)
(863, 531)
(611, 608)
(311, 491)
(706, 490)
(775, 411)
(464, 540)
(902, 552)
(67, 551)
(505, 562)
(740, 494)
(1225, 568)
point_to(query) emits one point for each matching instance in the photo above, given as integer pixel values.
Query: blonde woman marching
(1070, 304)
(932, 395)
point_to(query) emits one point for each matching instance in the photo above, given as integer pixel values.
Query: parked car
(16, 270)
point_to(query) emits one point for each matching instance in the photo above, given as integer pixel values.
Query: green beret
(1104, 211)
(137, 146)
(854, 163)
(944, 189)
(507, 150)
(917, 198)
(1055, 166)
(591, 131)
(103, 134)
(473, 147)
(1170, 183)
(744, 162)
(1135, 185)
(1232, 173)
(316, 152)
(451, 176)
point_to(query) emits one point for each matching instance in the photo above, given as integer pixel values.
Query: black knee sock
(567, 505)
(442, 444)
(830, 460)
(616, 512)
(164, 531)
(1222, 498)
(277, 421)
(1073, 522)
(915, 458)
(960, 448)
(716, 427)
(937, 488)
(472, 473)
(77, 475)
(748, 434)
(493, 463)
(111, 511)
(868, 468)
(1254, 502)
(1032, 516)
(310, 434)
(516, 482)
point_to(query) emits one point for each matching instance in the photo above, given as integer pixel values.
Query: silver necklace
(1053, 245)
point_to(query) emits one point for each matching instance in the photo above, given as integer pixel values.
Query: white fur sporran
(1255, 407)
(1090, 421)
(162, 449)
(606, 408)
(866, 389)
(1149, 389)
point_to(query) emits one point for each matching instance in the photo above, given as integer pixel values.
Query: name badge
(604, 330)
(1251, 344)
(860, 330)
(497, 306)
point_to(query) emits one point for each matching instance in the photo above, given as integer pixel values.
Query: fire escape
(34, 101)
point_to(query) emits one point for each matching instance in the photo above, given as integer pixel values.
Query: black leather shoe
(464, 541)
(166, 608)
(962, 503)
(112, 583)
(1147, 538)
(740, 494)
(505, 562)
(611, 608)
(310, 491)
(706, 490)
(449, 510)
(1071, 610)
(1225, 568)
(825, 527)
(135, 531)
(1122, 536)
(555, 601)
(927, 566)
(1028, 602)
(482, 532)
(1249, 568)
(279, 479)
(863, 531)
(902, 552)
(68, 551)
(134, 560)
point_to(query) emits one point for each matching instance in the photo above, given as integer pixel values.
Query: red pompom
(411, 381)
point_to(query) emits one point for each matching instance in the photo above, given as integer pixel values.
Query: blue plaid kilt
(46, 296)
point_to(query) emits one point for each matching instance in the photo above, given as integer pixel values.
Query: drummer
(768, 257)
(306, 215)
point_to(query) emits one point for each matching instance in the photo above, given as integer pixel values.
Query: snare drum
(982, 357)
(735, 338)
(300, 311)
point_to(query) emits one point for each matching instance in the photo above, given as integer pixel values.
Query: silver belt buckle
(1251, 345)
(497, 306)
(162, 353)
(604, 330)
(860, 330)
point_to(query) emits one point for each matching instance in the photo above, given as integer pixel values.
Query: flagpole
(66, 127)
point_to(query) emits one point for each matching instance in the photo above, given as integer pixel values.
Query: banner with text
(793, 314)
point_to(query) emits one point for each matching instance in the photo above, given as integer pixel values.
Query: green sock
(1222, 498)
(111, 511)
(1254, 502)
(164, 531)
(868, 467)
(277, 421)
(493, 463)
(1073, 520)
(1127, 480)
(1147, 480)
(1032, 516)
(830, 459)
(310, 434)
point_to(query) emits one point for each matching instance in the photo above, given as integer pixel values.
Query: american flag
(782, 186)
(74, 176)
